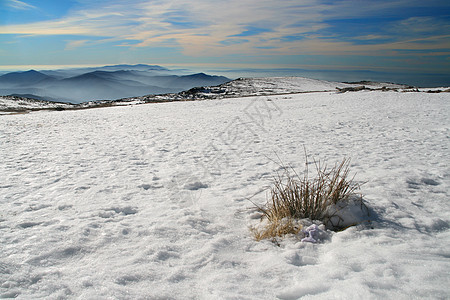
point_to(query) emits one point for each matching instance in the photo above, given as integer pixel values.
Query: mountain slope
(26, 78)
(103, 83)
(196, 80)
(17, 104)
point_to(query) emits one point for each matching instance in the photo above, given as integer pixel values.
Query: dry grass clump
(294, 197)
(277, 228)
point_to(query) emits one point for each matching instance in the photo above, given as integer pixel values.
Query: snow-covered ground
(280, 85)
(12, 104)
(152, 201)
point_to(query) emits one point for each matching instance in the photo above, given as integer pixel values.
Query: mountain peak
(31, 73)
(138, 67)
(201, 75)
(25, 77)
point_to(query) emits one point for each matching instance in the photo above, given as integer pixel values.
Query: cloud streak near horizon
(394, 33)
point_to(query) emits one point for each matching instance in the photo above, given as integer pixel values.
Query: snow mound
(347, 213)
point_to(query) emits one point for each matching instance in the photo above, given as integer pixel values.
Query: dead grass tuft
(294, 197)
(276, 228)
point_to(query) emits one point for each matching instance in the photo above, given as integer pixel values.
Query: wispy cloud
(71, 45)
(266, 27)
(19, 5)
(420, 26)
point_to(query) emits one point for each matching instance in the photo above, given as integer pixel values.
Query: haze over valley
(102, 83)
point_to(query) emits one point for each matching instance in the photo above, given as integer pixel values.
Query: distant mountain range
(102, 83)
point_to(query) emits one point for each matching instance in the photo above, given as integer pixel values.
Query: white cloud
(199, 27)
(20, 5)
(204, 24)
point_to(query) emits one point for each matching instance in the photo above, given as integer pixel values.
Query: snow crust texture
(151, 201)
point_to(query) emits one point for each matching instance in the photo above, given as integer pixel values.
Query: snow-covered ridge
(242, 87)
(14, 104)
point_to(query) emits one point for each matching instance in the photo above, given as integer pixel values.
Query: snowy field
(151, 201)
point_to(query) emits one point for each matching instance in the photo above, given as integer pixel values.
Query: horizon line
(222, 67)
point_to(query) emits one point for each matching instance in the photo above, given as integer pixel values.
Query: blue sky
(403, 36)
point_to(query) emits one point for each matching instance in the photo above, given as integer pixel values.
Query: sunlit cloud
(212, 28)
(204, 24)
(71, 45)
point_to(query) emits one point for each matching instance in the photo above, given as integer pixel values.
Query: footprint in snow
(128, 279)
(416, 183)
(193, 186)
(146, 186)
(5, 269)
(113, 211)
(29, 224)
(429, 181)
